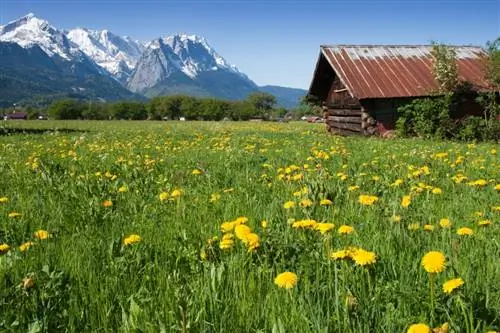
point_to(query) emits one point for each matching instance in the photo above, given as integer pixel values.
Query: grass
(83, 278)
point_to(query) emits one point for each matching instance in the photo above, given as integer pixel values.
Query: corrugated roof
(383, 71)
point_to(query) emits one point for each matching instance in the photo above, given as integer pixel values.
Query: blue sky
(276, 42)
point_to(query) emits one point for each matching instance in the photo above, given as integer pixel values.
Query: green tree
(444, 67)
(65, 109)
(262, 102)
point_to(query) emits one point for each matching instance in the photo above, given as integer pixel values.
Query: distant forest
(257, 105)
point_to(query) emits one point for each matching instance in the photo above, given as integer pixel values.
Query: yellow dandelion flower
(203, 255)
(41, 234)
(497, 187)
(226, 244)
(434, 262)
(362, 257)
(289, 204)
(428, 227)
(419, 328)
(107, 203)
(323, 228)
(342, 254)
(298, 176)
(176, 193)
(241, 231)
(163, 196)
(437, 190)
(227, 226)
(452, 284)
(345, 229)
(396, 218)
(305, 203)
(413, 226)
(4, 200)
(196, 172)
(465, 231)
(15, 214)
(397, 182)
(483, 223)
(367, 200)
(4, 248)
(252, 241)
(353, 188)
(297, 193)
(495, 208)
(263, 224)
(132, 239)
(304, 224)
(406, 201)
(479, 182)
(286, 280)
(241, 220)
(325, 202)
(23, 247)
(123, 189)
(445, 223)
(214, 197)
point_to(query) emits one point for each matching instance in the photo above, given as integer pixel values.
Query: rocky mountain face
(100, 64)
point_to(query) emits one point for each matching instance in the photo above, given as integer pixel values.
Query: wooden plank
(342, 132)
(352, 120)
(352, 127)
(343, 112)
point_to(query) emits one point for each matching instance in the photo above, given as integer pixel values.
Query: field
(188, 227)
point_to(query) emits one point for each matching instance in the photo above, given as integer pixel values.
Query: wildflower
(428, 227)
(305, 224)
(497, 187)
(263, 224)
(107, 203)
(436, 190)
(132, 239)
(345, 230)
(325, 202)
(324, 227)
(163, 196)
(15, 214)
(465, 231)
(396, 218)
(479, 182)
(406, 201)
(41, 234)
(397, 182)
(286, 280)
(413, 226)
(362, 257)
(226, 242)
(367, 200)
(445, 223)
(241, 231)
(228, 190)
(353, 188)
(298, 176)
(342, 254)
(227, 226)
(289, 204)
(196, 172)
(203, 255)
(434, 262)
(251, 241)
(305, 203)
(442, 329)
(241, 220)
(4, 200)
(4, 248)
(23, 247)
(176, 193)
(483, 223)
(214, 197)
(452, 284)
(495, 208)
(419, 328)
(123, 189)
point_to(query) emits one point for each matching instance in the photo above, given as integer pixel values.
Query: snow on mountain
(30, 30)
(197, 55)
(118, 55)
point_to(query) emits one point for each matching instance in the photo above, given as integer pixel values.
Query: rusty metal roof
(384, 71)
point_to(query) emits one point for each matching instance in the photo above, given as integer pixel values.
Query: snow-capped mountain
(102, 63)
(29, 30)
(187, 64)
(118, 55)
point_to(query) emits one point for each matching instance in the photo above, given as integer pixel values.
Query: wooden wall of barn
(344, 114)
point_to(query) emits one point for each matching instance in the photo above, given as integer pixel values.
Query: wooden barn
(361, 86)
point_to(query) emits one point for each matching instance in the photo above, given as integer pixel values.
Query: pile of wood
(349, 121)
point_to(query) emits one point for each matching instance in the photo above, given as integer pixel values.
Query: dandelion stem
(431, 282)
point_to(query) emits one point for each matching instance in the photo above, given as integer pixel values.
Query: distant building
(362, 86)
(16, 115)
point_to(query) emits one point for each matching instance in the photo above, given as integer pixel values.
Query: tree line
(256, 105)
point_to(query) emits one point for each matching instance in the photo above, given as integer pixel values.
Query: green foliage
(262, 102)
(493, 63)
(65, 109)
(426, 118)
(444, 67)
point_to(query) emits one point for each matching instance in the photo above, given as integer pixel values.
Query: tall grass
(83, 278)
